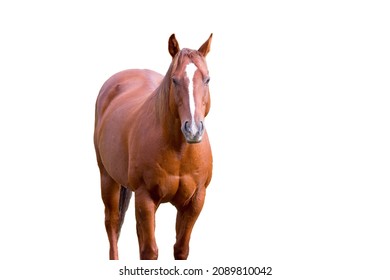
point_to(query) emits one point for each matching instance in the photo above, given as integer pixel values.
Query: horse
(150, 138)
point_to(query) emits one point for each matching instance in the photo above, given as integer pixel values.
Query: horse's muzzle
(193, 131)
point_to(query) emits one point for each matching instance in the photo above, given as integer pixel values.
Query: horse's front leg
(185, 221)
(145, 210)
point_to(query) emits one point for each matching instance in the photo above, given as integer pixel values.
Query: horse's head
(190, 97)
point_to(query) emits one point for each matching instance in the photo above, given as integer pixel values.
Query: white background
(299, 127)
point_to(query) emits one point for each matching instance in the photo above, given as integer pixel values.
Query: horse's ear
(205, 48)
(173, 46)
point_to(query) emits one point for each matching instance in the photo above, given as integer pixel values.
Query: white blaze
(190, 70)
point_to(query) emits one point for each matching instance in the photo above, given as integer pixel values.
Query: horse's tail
(124, 200)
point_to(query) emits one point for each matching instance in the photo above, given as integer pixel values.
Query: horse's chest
(169, 175)
(171, 182)
(178, 188)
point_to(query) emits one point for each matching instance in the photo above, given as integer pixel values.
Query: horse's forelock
(184, 53)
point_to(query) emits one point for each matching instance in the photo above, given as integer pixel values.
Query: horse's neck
(170, 124)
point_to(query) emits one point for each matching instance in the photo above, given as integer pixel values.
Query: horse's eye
(207, 80)
(175, 81)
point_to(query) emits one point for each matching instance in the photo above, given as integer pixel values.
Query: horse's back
(133, 84)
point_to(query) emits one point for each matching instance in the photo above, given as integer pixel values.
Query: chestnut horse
(150, 139)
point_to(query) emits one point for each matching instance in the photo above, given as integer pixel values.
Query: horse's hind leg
(145, 208)
(185, 221)
(110, 195)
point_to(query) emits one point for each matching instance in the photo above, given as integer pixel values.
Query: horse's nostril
(187, 126)
(201, 126)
